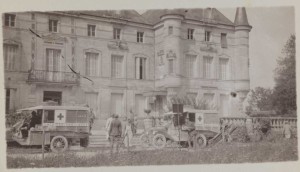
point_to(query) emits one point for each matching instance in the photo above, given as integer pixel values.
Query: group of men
(118, 133)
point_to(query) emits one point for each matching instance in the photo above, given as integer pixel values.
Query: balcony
(42, 76)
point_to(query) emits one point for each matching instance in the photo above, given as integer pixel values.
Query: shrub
(262, 129)
(240, 134)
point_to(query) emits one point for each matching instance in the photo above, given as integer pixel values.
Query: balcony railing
(53, 77)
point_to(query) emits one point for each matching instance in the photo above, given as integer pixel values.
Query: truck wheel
(145, 140)
(199, 141)
(59, 144)
(84, 142)
(159, 141)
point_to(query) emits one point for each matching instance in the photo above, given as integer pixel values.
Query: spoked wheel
(159, 141)
(199, 141)
(145, 139)
(59, 144)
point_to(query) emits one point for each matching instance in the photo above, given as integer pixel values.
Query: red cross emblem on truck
(60, 116)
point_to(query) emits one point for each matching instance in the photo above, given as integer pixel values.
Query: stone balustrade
(276, 123)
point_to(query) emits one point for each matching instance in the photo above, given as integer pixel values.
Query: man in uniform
(115, 133)
(189, 126)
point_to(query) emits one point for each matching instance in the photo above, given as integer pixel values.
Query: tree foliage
(284, 95)
(282, 98)
(261, 99)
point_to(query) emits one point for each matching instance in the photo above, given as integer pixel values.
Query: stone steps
(98, 139)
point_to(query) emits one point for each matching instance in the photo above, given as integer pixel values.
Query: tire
(199, 141)
(84, 142)
(59, 144)
(145, 140)
(159, 141)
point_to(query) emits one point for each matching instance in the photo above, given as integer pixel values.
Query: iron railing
(53, 77)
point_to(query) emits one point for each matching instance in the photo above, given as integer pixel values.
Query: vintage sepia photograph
(148, 87)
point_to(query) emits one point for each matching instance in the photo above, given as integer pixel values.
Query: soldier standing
(115, 133)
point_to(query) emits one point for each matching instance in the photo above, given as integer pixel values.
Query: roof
(153, 16)
(241, 17)
(54, 108)
(130, 15)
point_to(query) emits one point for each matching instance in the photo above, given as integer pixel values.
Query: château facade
(136, 61)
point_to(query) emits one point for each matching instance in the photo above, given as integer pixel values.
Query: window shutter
(50, 25)
(144, 68)
(137, 68)
(6, 20)
(50, 60)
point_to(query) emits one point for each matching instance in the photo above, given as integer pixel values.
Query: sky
(272, 27)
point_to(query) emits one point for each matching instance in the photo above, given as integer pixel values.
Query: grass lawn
(254, 152)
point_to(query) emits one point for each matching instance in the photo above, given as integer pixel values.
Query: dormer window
(32, 16)
(117, 33)
(223, 40)
(207, 36)
(190, 34)
(10, 20)
(140, 37)
(53, 25)
(91, 30)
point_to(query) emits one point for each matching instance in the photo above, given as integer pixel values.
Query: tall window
(190, 34)
(53, 25)
(53, 64)
(7, 101)
(207, 36)
(223, 68)
(209, 99)
(170, 30)
(140, 37)
(207, 67)
(91, 30)
(116, 104)
(91, 64)
(223, 40)
(191, 65)
(10, 20)
(10, 56)
(117, 66)
(140, 68)
(117, 33)
(171, 66)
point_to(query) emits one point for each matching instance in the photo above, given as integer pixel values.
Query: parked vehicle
(56, 126)
(194, 126)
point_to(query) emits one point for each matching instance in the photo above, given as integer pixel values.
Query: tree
(284, 95)
(260, 99)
